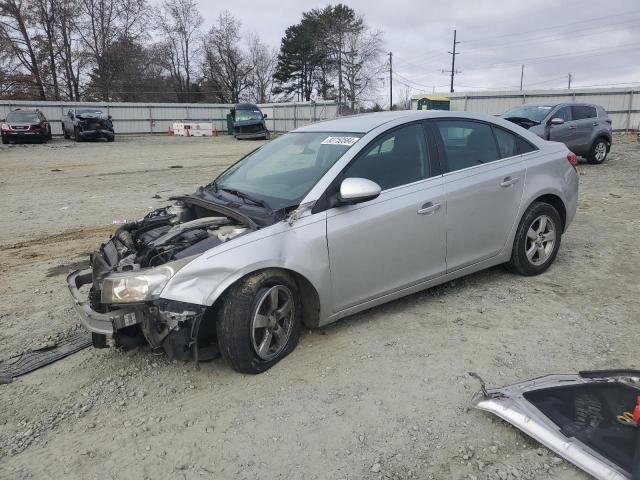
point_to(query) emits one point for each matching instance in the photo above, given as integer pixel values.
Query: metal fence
(159, 117)
(622, 104)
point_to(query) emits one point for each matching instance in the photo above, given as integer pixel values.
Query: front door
(398, 239)
(566, 133)
(483, 186)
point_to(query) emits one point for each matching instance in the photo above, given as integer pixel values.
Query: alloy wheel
(600, 152)
(272, 322)
(541, 239)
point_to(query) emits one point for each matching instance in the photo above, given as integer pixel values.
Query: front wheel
(599, 151)
(76, 135)
(259, 321)
(537, 240)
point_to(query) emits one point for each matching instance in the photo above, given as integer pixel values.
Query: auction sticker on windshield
(347, 141)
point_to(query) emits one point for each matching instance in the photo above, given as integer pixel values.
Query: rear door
(398, 239)
(585, 119)
(483, 181)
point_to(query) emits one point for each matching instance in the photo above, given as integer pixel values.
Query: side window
(524, 146)
(564, 113)
(467, 143)
(580, 112)
(507, 143)
(397, 158)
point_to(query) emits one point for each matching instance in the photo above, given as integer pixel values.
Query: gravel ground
(382, 394)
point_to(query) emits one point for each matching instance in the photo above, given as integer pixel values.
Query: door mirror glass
(556, 121)
(356, 190)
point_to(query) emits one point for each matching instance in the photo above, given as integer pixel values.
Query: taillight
(573, 159)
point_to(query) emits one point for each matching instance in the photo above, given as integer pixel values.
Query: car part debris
(577, 417)
(32, 360)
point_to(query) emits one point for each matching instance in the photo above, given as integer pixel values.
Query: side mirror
(556, 121)
(264, 115)
(109, 117)
(356, 190)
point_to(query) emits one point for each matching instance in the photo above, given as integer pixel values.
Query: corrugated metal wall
(623, 105)
(158, 117)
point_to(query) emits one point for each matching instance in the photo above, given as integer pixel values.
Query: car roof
(366, 122)
(25, 110)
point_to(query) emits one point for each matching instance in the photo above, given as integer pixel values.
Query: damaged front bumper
(94, 134)
(101, 323)
(170, 325)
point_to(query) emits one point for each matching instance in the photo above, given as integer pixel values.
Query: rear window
(23, 117)
(525, 147)
(580, 112)
(507, 143)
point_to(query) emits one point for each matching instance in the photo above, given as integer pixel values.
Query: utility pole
(390, 81)
(453, 59)
(521, 76)
(569, 87)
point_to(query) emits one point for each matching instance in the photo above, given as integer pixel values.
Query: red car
(29, 125)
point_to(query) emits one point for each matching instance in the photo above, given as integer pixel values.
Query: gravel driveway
(382, 394)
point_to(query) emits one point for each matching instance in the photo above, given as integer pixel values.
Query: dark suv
(87, 124)
(584, 128)
(28, 125)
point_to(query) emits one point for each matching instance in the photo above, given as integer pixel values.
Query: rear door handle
(595, 124)
(428, 208)
(572, 127)
(508, 181)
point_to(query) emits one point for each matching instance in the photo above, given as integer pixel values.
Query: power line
(552, 27)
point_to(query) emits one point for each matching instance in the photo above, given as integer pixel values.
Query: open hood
(576, 416)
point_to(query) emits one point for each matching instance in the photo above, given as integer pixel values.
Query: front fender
(301, 248)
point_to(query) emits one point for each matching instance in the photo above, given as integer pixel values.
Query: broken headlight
(140, 286)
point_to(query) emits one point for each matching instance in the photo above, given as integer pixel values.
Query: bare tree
(101, 24)
(361, 64)
(179, 23)
(70, 57)
(263, 61)
(226, 68)
(16, 30)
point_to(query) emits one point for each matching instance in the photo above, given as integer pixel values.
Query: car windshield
(242, 115)
(23, 117)
(88, 110)
(283, 171)
(531, 112)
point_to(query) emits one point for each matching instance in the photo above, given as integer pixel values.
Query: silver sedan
(326, 221)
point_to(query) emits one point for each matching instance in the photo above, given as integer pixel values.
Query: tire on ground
(591, 158)
(234, 320)
(519, 263)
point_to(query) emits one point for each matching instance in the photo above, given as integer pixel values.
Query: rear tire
(259, 321)
(599, 151)
(537, 240)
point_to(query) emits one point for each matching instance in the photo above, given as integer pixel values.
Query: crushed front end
(91, 126)
(119, 298)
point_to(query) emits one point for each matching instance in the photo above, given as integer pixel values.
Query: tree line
(130, 51)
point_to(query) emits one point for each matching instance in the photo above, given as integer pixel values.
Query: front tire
(537, 240)
(599, 151)
(76, 135)
(259, 321)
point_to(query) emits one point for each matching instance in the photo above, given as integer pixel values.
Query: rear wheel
(259, 321)
(599, 151)
(537, 240)
(49, 136)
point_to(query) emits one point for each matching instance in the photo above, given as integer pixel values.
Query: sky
(597, 42)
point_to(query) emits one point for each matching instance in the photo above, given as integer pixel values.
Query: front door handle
(428, 208)
(508, 181)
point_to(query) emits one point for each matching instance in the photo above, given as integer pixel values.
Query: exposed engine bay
(165, 236)
(170, 233)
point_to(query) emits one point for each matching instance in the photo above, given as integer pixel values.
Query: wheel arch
(556, 202)
(309, 296)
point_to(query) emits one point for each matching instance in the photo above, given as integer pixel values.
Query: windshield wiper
(246, 197)
(522, 119)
